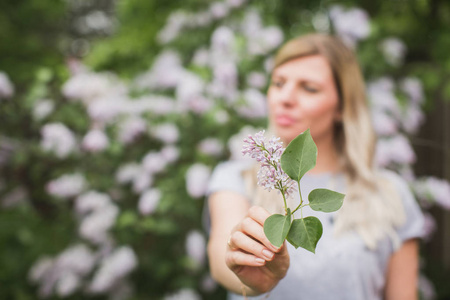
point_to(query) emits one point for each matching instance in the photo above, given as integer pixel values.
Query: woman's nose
(287, 95)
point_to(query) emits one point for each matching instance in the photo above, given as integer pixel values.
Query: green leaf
(325, 200)
(305, 233)
(276, 228)
(300, 156)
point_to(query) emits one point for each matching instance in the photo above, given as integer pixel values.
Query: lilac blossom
(256, 80)
(105, 109)
(89, 86)
(221, 117)
(394, 150)
(383, 123)
(165, 73)
(168, 133)
(211, 146)
(66, 186)
(393, 50)
(219, 10)
(413, 89)
(42, 109)
(201, 57)
(429, 226)
(95, 141)
(268, 154)
(195, 247)
(183, 294)
(57, 138)
(170, 153)
(197, 177)
(128, 172)
(130, 129)
(351, 25)
(208, 284)
(235, 3)
(255, 104)
(6, 87)
(149, 201)
(235, 143)
(412, 118)
(113, 268)
(94, 226)
(432, 189)
(266, 40)
(153, 162)
(91, 201)
(142, 181)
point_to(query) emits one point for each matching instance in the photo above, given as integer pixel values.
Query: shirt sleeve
(414, 221)
(227, 176)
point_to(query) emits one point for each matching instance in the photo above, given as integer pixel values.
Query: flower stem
(301, 199)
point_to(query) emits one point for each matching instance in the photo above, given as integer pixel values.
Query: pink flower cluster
(268, 153)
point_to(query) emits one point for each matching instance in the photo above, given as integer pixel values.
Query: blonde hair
(372, 206)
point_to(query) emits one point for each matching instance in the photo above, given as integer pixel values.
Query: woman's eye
(310, 89)
(277, 83)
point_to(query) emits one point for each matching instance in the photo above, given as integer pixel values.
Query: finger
(249, 245)
(259, 214)
(236, 259)
(254, 229)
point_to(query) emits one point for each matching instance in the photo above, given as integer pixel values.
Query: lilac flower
(57, 138)
(183, 294)
(6, 87)
(170, 153)
(195, 247)
(167, 133)
(432, 189)
(131, 128)
(91, 201)
(219, 10)
(256, 80)
(413, 88)
(383, 123)
(128, 172)
(268, 153)
(255, 104)
(197, 177)
(42, 109)
(351, 25)
(395, 150)
(211, 146)
(148, 201)
(114, 267)
(393, 50)
(154, 162)
(67, 185)
(142, 181)
(95, 225)
(95, 141)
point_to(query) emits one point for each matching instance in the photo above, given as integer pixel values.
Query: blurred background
(114, 113)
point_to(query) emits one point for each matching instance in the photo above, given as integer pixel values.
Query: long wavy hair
(372, 206)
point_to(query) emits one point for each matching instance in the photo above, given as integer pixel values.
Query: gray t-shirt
(343, 268)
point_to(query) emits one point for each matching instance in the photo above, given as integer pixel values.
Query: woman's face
(303, 95)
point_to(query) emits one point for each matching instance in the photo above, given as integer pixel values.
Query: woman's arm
(402, 273)
(238, 250)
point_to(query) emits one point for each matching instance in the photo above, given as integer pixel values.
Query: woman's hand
(258, 264)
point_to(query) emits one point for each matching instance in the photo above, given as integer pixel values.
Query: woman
(369, 248)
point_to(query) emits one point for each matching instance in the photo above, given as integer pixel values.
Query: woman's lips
(284, 120)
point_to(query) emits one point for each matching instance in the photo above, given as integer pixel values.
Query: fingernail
(260, 260)
(267, 254)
